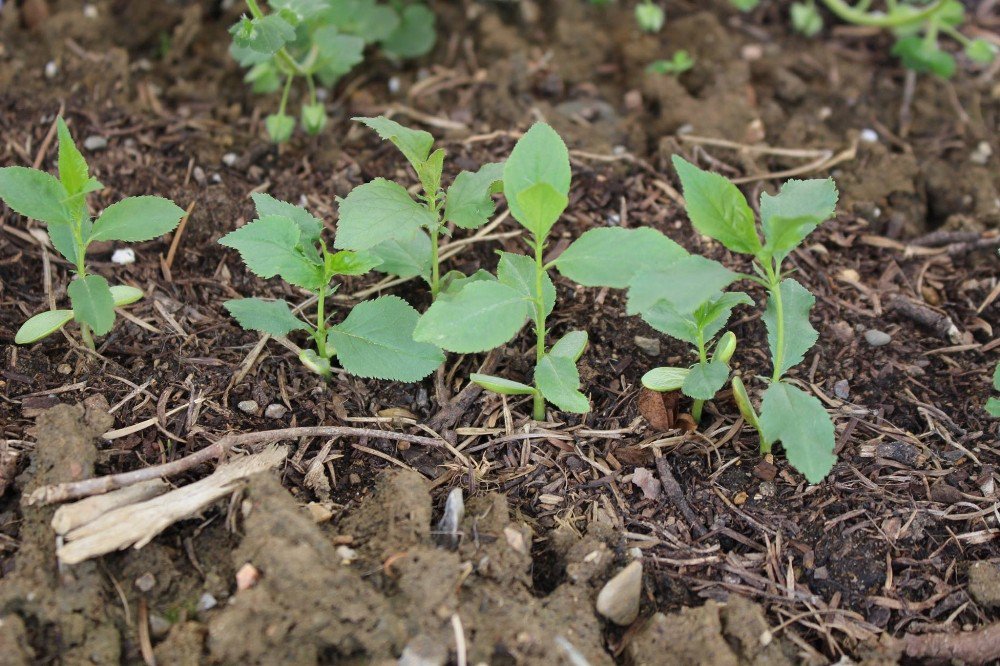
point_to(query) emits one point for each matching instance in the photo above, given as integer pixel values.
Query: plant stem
(320, 334)
(435, 261)
(81, 271)
(859, 16)
(774, 291)
(312, 89)
(703, 357)
(539, 400)
(284, 94)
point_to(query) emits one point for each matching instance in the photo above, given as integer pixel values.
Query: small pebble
(247, 577)
(123, 256)
(51, 69)
(206, 602)
(877, 338)
(90, 11)
(869, 135)
(982, 153)
(216, 178)
(145, 582)
(159, 626)
(229, 159)
(274, 411)
(322, 94)
(394, 85)
(767, 489)
(64, 369)
(843, 331)
(248, 406)
(95, 142)
(346, 555)
(842, 389)
(619, 598)
(648, 346)
(199, 175)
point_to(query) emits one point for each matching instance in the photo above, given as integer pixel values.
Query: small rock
(274, 411)
(984, 583)
(145, 582)
(206, 602)
(619, 599)
(843, 331)
(229, 159)
(64, 369)
(199, 175)
(767, 489)
(248, 406)
(982, 153)
(123, 256)
(247, 577)
(877, 338)
(423, 650)
(346, 555)
(95, 142)
(648, 346)
(90, 11)
(318, 512)
(159, 626)
(51, 69)
(901, 452)
(869, 135)
(842, 389)
(821, 573)
(394, 85)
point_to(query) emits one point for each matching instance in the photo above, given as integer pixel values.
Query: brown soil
(883, 547)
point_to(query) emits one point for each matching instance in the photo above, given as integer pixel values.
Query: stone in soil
(619, 599)
(984, 583)
(877, 338)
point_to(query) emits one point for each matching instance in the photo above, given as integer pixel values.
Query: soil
(899, 539)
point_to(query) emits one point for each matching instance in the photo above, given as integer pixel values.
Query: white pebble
(394, 85)
(90, 11)
(248, 406)
(982, 153)
(869, 135)
(877, 338)
(51, 69)
(123, 256)
(206, 602)
(94, 142)
(346, 555)
(229, 159)
(275, 411)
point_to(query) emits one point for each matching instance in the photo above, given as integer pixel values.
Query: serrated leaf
(572, 345)
(376, 340)
(453, 282)
(34, 194)
(803, 427)
(266, 205)
(469, 203)
(42, 325)
(93, 303)
(558, 378)
(415, 34)
(712, 316)
(540, 206)
(123, 295)
(540, 156)
(717, 208)
(518, 271)
(405, 258)
(279, 127)
(379, 211)
(271, 317)
(267, 34)
(611, 257)
(501, 385)
(267, 247)
(705, 379)
(136, 219)
(665, 379)
(799, 336)
(63, 240)
(666, 319)
(414, 144)
(429, 172)
(798, 208)
(348, 262)
(482, 316)
(73, 170)
(685, 284)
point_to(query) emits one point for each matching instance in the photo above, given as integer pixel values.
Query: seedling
(483, 311)
(677, 65)
(649, 16)
(382, 218)
(993, 404)
(374, 340)
(62, 204)
(321, 41)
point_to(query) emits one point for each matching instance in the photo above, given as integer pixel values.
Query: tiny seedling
(679, 63)
(993, 404)
(61, 203)
(649, 16)
(374, 340)
(482, 312)
(381, 217)
(321, 41)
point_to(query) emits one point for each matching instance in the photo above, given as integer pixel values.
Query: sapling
(381, 217)
(374, 340)
(320, 41)
(62, 204)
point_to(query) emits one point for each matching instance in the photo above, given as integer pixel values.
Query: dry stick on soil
(178, 234)
(822, 159)
(74, 490)
(449, 414)
(973, 647)
(676, 494)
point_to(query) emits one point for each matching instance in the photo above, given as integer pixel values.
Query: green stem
(703, 357)
(879, 20)
(81, 271)
(284, 94)
(539, 399)
(955, 34)
(774, 291)
(320, 334)
(435, 264)
(312, 89)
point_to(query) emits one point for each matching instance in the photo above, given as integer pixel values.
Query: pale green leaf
(540, 156)
(271, 317)
(482, 316)
(137, 219)
(717, 208)
(501, 385)
(666, 319)
(429, 172)
(803, 427)
(713, 315)
(571, 345)
(337, 55)
(799, 335)
(34, 194)
(415, 34)
(558, 379)
(744, 405)
(315, 363)
(406, 258)
(365, 18)
(63, 240)
(453, 282)
(540, 206)
(73, 170)
(612, 256)
(518, 271)
(123, 295)
(267, 205)
(685, 284)
(268, 248)
(349, 262)
(665, 379)
(42, 325)
(376, 340)
(705, 379)
(469, 203)
(93, 303)
(379, 211)
(996, 378)
(414, 144)
(266, 35)
(993, 407)
(791, 215)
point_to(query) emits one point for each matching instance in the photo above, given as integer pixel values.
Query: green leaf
(650, 17)
(279, 127)
(42, 325)
(612, 256)
(684, 284)
(996, 378)
(315, 363)
(453, 282)
(501, 385)
(666, 319)
(518, 271)
(93, 303)
(469, 203)
(791, 215)
(348, 262)
(540, 207)
(806, 19)
(923, 57)
(540, 156)
(429, 172)
(364, 18)
(267, 34)
(665, 379)
(744, 405)
(744, 5)
(267, 205)
(414, 144)
(799, 336)
(415, 35)
(993, 407)
(482, 316)
(271, 317)
(379, 211)
(713, 315)
(705, 380)
(123, 295)
(981, 51)
(73, 171)
(268, 248)
(136, 219)
(338, 53)
(559, 381)
(34, 194)
(571, 345)
(63, 240)
(800, 423)
(717, 208)
(405, 258)
(376, 340)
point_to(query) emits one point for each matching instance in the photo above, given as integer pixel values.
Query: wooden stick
(676, 494)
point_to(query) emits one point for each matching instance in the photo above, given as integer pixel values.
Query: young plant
(649, 16)
(321, 40)
(374, 340)
(993, 404)
(62, 204)
(482, 312)
(382, 218)
(678, 64)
